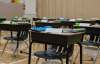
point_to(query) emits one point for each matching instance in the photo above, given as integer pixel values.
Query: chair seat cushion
(12, 38)
(91, 43)
(49, 55)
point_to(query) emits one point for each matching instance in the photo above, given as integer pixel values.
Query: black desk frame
(14, 27)
(67, 58)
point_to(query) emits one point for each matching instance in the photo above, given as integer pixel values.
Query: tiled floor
(7, 57)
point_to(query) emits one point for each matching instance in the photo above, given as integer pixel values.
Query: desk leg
(45, 50)
(0, 37)
(45, 47)
(67, 58)
(17, 46)
(11, 33)
(29, 58)
(80, 45)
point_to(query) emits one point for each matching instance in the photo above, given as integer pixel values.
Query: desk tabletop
(8, 26)
(63, 34)
(92, 26)
(13, 23)
(58, 33)
(69, 21)
(93, 29)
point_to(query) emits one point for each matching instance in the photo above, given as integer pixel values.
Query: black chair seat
(10, 38)
(22, 35)
(13, 38)
(49, 55)
(91, 43)
(93, 40)
(55, 52)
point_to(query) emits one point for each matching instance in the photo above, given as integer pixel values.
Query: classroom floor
(22, 58)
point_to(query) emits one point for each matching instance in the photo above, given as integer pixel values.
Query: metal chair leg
(76, 57)
(26, 44)
(61, 61)
(17, 46)
(21, 51)
(45, 59)
(98, 51)
(37, 60)
(4, 47)
(0, 37)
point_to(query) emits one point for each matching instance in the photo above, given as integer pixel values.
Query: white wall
(5, 1)
(30, 10)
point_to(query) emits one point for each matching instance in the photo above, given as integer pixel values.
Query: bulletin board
(10, 10)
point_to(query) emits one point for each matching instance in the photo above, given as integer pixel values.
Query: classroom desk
(92, 30)
(61, 39)
(92, 21)
(14, 27)
(7, 27)
(67, 23)
(55, 24)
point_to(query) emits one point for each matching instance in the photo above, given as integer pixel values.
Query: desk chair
(94, 41)
(55, 52)
(21, 35)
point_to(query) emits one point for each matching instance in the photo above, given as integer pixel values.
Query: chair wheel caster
(24, 52)
(92, 59)
(21, 51)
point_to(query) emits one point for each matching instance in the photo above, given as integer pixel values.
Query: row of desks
(92, 21)
(51, 38)
(62, 39)
(69, 24)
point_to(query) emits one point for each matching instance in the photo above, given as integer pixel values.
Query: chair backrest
(61, 50)
(94, 38)
(22, 33)
(94, 34)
